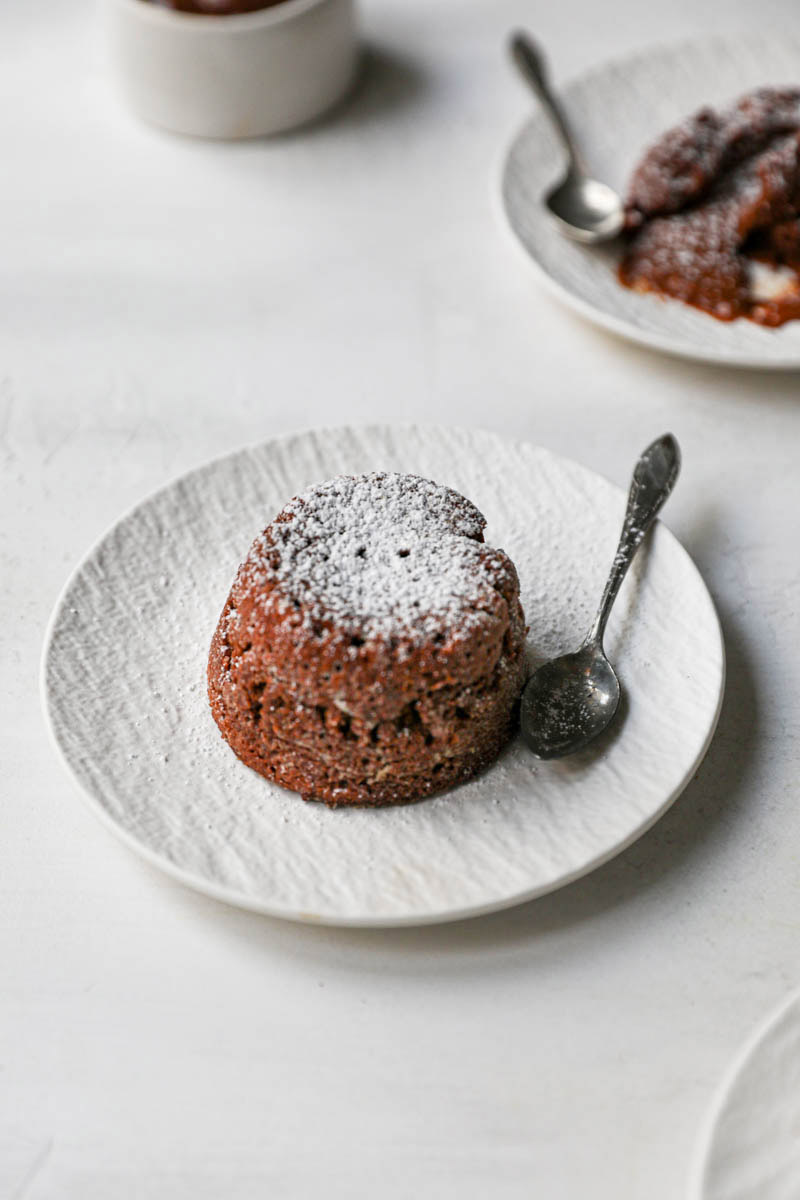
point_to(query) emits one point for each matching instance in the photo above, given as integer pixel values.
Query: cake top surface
(383, 554)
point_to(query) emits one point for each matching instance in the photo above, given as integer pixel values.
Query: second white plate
(124, 679)
(618, 110)
(751, 1147)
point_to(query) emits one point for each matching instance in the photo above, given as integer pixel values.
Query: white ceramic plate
(751, 1147)
(124, 682)
(619, 109)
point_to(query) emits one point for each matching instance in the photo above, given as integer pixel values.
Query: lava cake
(713, 211)
(371, 650)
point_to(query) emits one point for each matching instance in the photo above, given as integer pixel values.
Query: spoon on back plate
(570, 700)
(586, 210)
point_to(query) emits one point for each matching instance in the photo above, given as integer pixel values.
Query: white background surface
(163, 301)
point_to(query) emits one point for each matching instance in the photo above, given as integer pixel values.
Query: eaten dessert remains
(216, 8)
(371, 650)
(713, 211)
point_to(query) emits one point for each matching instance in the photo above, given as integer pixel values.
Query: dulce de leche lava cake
(713, 211)
(371, 649)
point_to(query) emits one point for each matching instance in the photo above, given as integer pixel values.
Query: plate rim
(243, 900)
(619, 326)
(705, 1139)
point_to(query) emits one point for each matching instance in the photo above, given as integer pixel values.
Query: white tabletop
(164, 301)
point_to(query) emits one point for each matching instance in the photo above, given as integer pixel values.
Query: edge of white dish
(705, 1140)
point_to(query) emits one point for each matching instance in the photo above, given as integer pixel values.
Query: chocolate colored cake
(715, 197)
(371, 649)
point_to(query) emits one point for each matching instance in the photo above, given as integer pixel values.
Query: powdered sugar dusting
(686, 160)
(384, 554)
(712, 191)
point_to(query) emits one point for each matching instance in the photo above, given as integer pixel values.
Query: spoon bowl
(568, 702)
(587, 211)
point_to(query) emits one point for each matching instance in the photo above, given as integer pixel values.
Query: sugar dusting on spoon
(569, 700)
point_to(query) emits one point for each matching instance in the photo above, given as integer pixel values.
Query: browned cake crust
(371, 649)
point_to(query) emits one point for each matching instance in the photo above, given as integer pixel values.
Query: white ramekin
(232, 76)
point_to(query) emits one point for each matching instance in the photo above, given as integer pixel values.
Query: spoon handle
(653, 479)
(531, 65)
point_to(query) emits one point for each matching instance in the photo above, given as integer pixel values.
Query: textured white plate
(618, 110)
(124, 680)
(751, 1147)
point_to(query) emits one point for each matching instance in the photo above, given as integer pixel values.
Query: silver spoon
(586, 210)
(572, 699)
